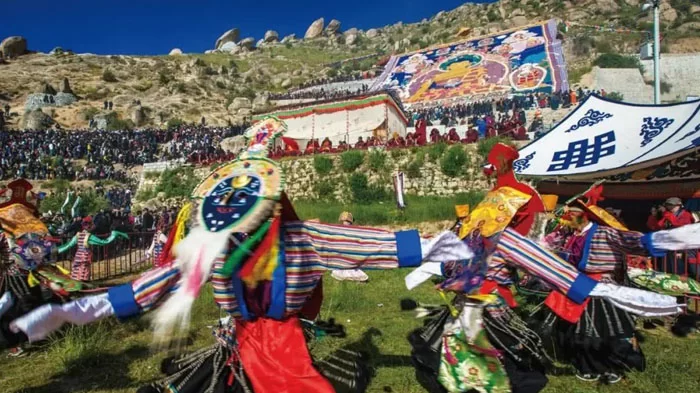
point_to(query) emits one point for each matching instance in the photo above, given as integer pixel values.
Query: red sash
(564, 307)
(276, 359)
(489, 285)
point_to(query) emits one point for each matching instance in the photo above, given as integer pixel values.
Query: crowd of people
(43, 155)
(325, 81)
(320, 94)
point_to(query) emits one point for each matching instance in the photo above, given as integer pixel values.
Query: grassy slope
(112, 357)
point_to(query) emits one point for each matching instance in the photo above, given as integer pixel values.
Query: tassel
(32, 281)
(63, 270)
(196, 255)
(263, 262)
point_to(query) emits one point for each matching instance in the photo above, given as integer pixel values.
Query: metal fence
(684, 264)
(123, 256)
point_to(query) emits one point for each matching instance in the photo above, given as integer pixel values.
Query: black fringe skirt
(603, 340)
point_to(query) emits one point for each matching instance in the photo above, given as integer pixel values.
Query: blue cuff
(122, 299)
(581, 288)
(649, 245)
(408, 248)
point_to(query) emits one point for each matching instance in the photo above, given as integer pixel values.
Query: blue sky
(156, 26)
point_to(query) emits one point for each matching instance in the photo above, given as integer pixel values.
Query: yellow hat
(462, 210)
(346, 216)
(550, 202)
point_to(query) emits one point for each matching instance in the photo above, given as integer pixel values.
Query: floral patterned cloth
(664, 283)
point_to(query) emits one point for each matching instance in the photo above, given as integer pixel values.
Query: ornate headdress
(241, 203)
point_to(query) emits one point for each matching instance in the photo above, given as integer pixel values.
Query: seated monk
(472, 136)
(278, 152)
(326, 146)
(290, 150)
(312, 147)
(360, 144)
(410, 139)
(491, 132)
(521, 133)
(343, 146)
(434, 136)
(452, 136)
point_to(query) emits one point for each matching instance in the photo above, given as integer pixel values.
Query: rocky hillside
(234, 78)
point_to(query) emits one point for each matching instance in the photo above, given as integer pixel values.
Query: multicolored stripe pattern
(526, 254)
(224, 294)
(312, 248)
(498, 270)
(608, 248)
(80, 268)
(153, 286)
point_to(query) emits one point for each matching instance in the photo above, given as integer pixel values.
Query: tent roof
(601, 138)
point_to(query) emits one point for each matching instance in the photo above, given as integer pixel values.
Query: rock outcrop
(289, 38)
(138, 116)
(229, 36)
(248, 43)
(37, 120)
(12, 47)
(175, 52)
(66, 87)
(333, 27)
(373, 33)
(315, 30)
(48, 89)
(271, 36)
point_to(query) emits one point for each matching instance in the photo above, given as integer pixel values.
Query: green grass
(110, 357)
(418, 209)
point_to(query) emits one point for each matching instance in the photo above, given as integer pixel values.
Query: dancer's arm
(123, 301)
(684, 238)
(96, 241)
(346, 247)
(65, 247)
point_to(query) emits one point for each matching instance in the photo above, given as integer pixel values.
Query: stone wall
(302, 178)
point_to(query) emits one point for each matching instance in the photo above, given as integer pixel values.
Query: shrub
(435, 151)
(325, 190)
(363, 192)
(174, 123)
(108, 76)
(614, 60)
(351, 160)
(164, 78)
(377, 160)
(177, 182)
(665, 87)
(604, 46)
(452, 163)
(615, 96)
(397, 153)
(493, 15)
(414, 167)
(323, 165)
(90, 202)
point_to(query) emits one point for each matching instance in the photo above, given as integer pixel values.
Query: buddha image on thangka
(515, 61)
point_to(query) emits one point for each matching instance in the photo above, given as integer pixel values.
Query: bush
(397, 153)
(351, 160)
(164, 78)
(485, 145)
(615, 96)
(90, 202)
(174, 123)
(665, 87)
(414, 167)
(493, 15)
(363, 192)
(325, 190)
(377, 160)
(435, 151)
(614, 60)
(323, 165)
(177, 182)
(114, 123)
(604, 46)
(453, 162)
(108, 76)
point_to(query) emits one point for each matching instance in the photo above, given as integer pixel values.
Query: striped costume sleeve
(324, 246)
(526, 254)
(145, 292)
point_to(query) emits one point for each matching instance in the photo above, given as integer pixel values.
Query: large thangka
(527, 59)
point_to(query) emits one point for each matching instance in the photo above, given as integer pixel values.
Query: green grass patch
(351, 160)
(323, 164)
(418, 209)
(377, 160)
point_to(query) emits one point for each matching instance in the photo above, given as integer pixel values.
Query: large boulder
(668, 13)
(350, 38)
(248, 43)
(290, 38)
(66, 87)
(37, 120)
(138, 116)
(175, 52)
(519, 20)
(333, 27)
(229, 36)
(13, 47)
(271, 36)
(261, 102)
(372, 33)
(315, 30)
(48, 89)
(227, 47)
(286, 83)
(239, 103)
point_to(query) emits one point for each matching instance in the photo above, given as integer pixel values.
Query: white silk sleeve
(686, 237)
(638, 301)
(444, 247)
(6, 301)
(44, 320)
